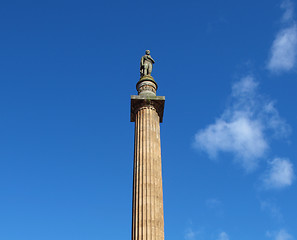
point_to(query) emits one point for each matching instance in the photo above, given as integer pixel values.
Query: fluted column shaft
(147, 216)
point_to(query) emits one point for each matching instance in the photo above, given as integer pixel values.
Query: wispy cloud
(223, 236)
(190, 234)
(288, 8)
(244, 127)
(216, 206)
(280, 235)
(280, 174)
(213, 203)
(272, 209)
(283, 53)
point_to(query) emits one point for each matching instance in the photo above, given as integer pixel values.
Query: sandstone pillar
(147, 113)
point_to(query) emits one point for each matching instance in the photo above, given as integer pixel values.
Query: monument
(147, 113)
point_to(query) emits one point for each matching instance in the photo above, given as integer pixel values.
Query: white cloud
(244, 126)
(241, 136)
(284, 50)
(283, 235)
(274, 121)
(283, 53)
(223, 236)
(280, 235)
(279, 175)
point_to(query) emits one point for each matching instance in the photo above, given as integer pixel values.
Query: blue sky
(228, 71)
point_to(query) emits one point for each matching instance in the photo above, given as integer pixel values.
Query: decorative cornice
(138, 102)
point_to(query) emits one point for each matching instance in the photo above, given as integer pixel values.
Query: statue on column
(146, 64)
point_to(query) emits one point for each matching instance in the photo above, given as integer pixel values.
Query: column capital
(138, 101)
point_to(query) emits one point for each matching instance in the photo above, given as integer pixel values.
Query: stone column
(147, 113)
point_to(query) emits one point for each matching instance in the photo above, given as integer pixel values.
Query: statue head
(147, 52)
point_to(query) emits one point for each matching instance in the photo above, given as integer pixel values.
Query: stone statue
(146, 64)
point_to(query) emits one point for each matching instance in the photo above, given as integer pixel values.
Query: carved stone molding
(147, 86)
(156, 102)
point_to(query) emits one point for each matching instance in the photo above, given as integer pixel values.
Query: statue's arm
(151, 59)
(141, 61)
